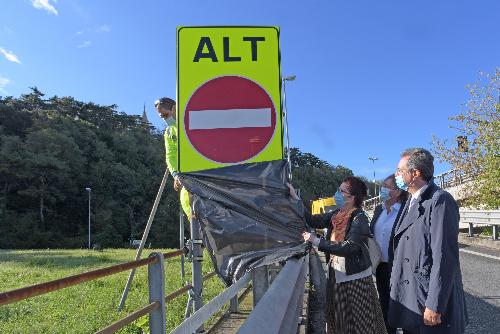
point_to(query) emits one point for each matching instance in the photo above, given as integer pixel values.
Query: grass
(90, 306)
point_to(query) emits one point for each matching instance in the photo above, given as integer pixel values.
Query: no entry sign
(230, 119)
(228, 95)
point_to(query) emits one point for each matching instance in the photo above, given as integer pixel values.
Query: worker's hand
(431, 318)
(293, 194)
(177, 183)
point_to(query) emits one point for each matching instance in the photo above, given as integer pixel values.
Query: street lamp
(374, 184)
(285, 110)
(89, 190)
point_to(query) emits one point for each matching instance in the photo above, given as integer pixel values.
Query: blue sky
(373, 77)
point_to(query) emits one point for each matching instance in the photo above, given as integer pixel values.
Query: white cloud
(103, 28)
(45, 5)
(85, 44)
(3, 83)
(9, 56)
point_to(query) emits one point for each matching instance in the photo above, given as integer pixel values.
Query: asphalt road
(481, 279)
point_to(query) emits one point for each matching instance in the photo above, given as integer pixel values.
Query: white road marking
(229, 119)
(480, 254)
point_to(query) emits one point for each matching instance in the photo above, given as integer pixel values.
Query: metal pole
(143, 240)
(89, 190)
(374, 184)
(181, 241)
(284, 80)
(156, 284)
(197, 257)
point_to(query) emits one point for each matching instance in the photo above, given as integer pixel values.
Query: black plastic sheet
(316, 320)
(247, 216)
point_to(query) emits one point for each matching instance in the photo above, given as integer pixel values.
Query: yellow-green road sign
(228, 96)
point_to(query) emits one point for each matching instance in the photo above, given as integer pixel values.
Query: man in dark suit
(426, 282)
(382, 226)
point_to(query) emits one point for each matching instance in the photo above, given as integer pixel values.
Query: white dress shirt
(383, 228)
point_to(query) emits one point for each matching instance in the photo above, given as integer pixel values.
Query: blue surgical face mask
(384, 194)
(169, 121)
(400, 183)
(339, 199)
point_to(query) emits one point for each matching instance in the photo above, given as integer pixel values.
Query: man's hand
(177, 184)
(431, 318)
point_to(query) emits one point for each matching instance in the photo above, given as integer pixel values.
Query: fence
(452, 178)
(481, 217)
(287, 287)
(445, 180)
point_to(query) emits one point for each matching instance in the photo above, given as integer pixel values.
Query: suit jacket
(376, 214)
(426, 268)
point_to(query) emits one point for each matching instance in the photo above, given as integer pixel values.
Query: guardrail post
(233, 304)
(471, 230)
(495, 232)
(260, 283)
(197, 257)
(156, 280)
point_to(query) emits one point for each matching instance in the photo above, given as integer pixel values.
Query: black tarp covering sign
(247, 216)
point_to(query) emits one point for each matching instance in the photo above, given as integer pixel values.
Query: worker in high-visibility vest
(167, 111)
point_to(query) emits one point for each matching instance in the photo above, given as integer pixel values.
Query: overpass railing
(452, 178)
(444, 180)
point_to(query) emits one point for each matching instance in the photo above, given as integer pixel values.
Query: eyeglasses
(344, 191)
(402, 171)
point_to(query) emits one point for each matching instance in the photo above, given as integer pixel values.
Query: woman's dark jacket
(357, 258)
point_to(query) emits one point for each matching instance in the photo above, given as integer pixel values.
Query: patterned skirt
(353, 307)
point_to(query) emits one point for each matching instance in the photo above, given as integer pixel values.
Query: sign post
(228, 106)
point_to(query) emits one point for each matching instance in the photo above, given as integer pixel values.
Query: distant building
(144, 115)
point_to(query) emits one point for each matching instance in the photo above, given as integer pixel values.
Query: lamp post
(89, 190)
(374, 184)
(284, 80)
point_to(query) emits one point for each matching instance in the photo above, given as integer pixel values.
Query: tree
(478, 151)
(314, 177)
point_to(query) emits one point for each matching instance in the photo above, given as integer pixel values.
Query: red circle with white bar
(230, 119)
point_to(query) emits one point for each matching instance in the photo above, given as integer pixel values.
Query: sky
(373, 77)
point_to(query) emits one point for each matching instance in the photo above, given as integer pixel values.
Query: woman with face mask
(352, 304)
(382, 226)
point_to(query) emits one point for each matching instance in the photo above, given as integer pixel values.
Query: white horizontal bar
(197, 319)
(229, 119)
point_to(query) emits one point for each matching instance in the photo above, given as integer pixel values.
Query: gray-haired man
(426, 283)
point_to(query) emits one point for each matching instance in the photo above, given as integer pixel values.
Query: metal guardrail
(287, 289)
(481, 217)
(279, 309)
(40, 289)
(156, 282)
(198, 318)
(371, 203)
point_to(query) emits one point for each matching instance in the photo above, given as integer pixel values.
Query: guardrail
(481, 217)
(279, 309)
(285, 288)
(156, 282)
(371, 203)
